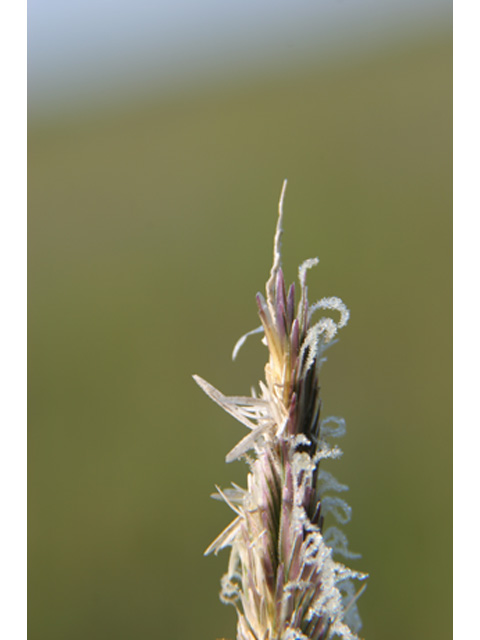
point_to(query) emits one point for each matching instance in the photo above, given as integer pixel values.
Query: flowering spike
(282, 577)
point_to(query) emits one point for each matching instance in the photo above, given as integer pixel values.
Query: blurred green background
(151, 229)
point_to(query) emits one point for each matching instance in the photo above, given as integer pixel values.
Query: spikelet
(282, 577)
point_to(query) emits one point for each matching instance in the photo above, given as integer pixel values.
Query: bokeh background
(159, 136)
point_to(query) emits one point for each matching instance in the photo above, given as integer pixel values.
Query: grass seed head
(282, 577)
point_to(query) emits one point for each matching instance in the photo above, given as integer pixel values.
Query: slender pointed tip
(280, 205)
(203, 384)
(277, 249)
(282, 198)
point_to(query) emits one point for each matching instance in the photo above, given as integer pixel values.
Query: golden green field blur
(150, 231)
